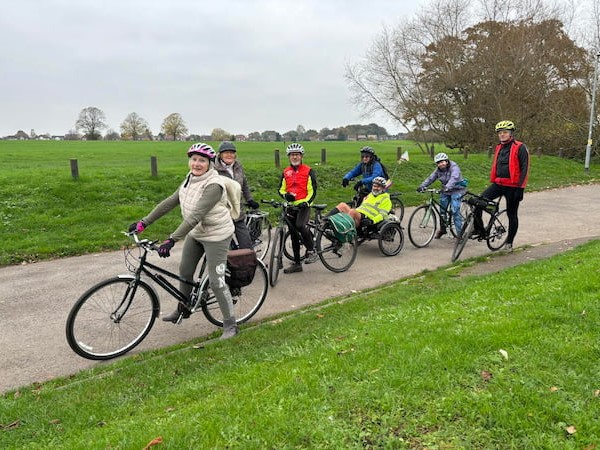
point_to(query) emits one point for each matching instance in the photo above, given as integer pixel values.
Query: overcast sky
(240, 65)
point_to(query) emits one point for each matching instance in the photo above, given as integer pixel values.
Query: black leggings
(513, 197)
(300, 231)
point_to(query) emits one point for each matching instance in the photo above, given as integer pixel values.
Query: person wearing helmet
(228, 165)
(207, 227)
(375, 207)
(508, 175)
(453, 189)
(298, 186)
(369, 168)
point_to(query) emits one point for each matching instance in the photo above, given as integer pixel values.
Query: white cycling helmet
(294, 148)
(380, 180)
(441, 157)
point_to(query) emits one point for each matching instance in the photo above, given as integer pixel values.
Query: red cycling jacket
(514, 168)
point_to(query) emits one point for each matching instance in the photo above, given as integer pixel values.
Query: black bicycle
(335, 255)
(114, 316)
(423, 222)
(494, 233)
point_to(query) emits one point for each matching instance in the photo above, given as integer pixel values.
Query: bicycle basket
(344, 227)
(253, 223)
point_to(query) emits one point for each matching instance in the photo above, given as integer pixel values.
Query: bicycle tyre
(276, 259)
(465, 235)
(262, 237)
(422, 225)
(398, 208)
(246, 300)
(498, 231)
(288, 252)
(464, 212)
(391, 239)
(335, 255)
(91, 330)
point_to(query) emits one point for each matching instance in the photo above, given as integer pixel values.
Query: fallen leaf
(504, 353)
(485, 375)
(156, 441)
(597, 393)
(590, 447)
(571, 429)
(12, 425)
(55, 421)
(554, 389)
(320, 316)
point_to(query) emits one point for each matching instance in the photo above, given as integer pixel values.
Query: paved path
(36, 298)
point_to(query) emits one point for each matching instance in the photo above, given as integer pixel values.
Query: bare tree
(219, 134)
(134, 127)
(91, 121)
(174, 126)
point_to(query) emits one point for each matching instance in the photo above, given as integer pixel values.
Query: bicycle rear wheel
(260, 232)
(247, 300)
(335, 255)
(276, 259)
(111, 318)
(422, 226)
(391, 239)
(398, 208)
(465, 235)
(498, 231)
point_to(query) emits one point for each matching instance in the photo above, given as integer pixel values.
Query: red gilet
(513, 167)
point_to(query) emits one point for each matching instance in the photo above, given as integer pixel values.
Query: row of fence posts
(154, 163)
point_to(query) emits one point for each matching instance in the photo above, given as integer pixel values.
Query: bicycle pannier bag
(241, 266)
(344, 227)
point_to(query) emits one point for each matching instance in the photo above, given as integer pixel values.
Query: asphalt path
(35, 299)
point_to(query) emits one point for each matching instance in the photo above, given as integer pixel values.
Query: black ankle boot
(174, 317)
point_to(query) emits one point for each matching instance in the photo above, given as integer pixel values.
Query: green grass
(44, 213)
(416, 364)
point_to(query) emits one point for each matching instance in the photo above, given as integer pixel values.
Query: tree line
(92, 122)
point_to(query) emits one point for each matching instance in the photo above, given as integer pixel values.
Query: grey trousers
(216, 263)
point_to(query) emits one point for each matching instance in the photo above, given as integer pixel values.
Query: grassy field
(45, 213)
(436, 361)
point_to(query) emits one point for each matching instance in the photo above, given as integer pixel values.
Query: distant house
(240, 137)
(20, 136)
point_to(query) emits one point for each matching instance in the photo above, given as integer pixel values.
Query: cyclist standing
(453, 189)
(207, 227)
(298, 186)
(228, 165)
(508, 174)
(369, 168)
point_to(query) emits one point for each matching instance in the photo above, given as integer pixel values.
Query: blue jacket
(368, 171)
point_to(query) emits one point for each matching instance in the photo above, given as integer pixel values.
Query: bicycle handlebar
(144, 243)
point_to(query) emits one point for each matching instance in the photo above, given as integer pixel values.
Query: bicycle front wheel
(111, 318)
(498, 231)
(422, 226)
(247, 300)
(335, 255)
(391, 239)
(276, 259)
(465, 235)
(464, 212)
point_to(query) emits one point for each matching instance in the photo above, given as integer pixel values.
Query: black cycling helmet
(227, 146)
(368, 150)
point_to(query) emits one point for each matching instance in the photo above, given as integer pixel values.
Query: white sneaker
(310, 257)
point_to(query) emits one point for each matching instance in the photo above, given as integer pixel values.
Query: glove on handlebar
(289, 197)
(138, 227)
(164, 251)
(345, 182)
(253, 204)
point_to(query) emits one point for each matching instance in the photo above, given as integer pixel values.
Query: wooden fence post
(153, 166)
(277, 163)
(489, 151)
(560, 152)
(539, 152)
(466, 151)
(323, 156)
(74, 169)
(398, 153)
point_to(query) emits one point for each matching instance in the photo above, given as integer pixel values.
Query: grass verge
(507, 360)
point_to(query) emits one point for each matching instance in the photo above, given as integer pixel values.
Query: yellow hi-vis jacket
(376, 208)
